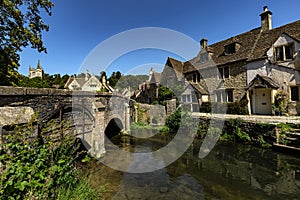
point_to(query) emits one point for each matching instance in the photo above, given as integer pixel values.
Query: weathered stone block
(37, 91)
(15, 115)
(8, 90)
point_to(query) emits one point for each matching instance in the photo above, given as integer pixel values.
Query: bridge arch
(114, 126)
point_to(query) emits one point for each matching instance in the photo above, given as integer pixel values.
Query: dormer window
(284, 52)
(230, 49)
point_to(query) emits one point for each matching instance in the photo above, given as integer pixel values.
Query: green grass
(139, 125)
(81, 191)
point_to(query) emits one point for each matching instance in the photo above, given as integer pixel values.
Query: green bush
(234, 132)
(205, 107)
(35, 168)
(174, 120)
(238, 108)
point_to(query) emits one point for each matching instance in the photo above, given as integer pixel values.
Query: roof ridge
(254, 29)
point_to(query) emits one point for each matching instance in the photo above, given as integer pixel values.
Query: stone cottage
(252, 66)
(148, 91)
(88, 83)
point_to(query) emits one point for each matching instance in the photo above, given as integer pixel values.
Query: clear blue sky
(77, 27)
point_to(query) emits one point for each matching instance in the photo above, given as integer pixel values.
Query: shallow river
(228, 172)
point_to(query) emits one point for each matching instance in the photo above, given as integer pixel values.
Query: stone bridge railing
(89, 112)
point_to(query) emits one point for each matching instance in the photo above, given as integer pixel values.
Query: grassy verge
(137, 126)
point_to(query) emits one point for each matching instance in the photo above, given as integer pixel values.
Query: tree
(164, 93)
(102, 74)
(36, 82)
(21, 26)
(114, 78)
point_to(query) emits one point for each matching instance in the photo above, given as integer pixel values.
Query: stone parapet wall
(23, 91)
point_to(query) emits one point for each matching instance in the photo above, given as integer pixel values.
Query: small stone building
(148, 91)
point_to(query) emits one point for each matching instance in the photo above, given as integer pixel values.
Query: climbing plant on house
(281, 102)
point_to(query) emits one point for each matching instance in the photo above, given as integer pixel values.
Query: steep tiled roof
(245, 40)
(157, 76)
(80, 81)
(69, 81)
(177, 66)
(267, 38)
(199, 88)
(252, 45)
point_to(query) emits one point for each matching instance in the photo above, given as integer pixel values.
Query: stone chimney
(266, 19)
(203, 43)
(86, 75)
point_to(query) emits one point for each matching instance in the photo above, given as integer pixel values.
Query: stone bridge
(92, 115)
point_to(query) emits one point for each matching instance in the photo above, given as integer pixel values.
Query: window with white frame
(186, 98)
(284, 52)
(224, 95)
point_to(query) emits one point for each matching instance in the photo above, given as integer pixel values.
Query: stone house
(172, 73)
(252, 66)
(148, 91)
(36, 72)
(88, 83)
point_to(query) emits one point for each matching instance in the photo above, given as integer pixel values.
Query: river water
(230, 171)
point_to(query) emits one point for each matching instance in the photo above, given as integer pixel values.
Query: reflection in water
(228, 172)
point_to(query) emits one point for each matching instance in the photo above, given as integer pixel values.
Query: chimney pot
(266, 19)
(203, 43)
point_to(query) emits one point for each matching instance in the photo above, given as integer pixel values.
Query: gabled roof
(80, 81)
(199, 88)
(262, 82)
(267, 39)
(252, 45)
(155, 78)
(69, 81)
(177, 66)
(92, 78)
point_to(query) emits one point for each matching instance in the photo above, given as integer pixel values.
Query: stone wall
(294, 108)
(170, 106)
(255, 130)
(150, 114)
(237, 80)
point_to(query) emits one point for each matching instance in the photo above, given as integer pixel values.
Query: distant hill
(132, 81)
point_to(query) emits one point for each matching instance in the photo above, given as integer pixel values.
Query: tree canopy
(21, 26)
(48, 81)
